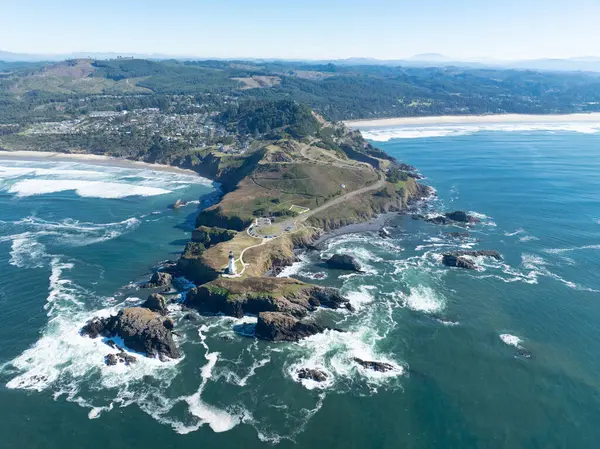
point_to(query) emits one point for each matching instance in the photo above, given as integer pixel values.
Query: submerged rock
(311, 374)
(343, 262)
(141, 329)
(277, 326)
(158, 279)
(156, 303)
(384, 233)
(381, 367)
(179, 203)
(458, 235)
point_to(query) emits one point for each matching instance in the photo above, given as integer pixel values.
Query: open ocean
(460, 340)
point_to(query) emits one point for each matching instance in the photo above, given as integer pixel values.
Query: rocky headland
(282, 196)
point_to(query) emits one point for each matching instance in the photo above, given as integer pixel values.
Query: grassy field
(274, 188)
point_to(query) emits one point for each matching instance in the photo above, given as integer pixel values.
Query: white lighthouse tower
(231, 267)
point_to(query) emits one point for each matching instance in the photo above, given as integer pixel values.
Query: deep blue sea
(502, 357)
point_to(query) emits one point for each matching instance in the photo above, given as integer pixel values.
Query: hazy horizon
(416, 57)
(266, 29)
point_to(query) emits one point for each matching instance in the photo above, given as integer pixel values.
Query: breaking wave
(449, 130)
(87, 189)
(25, 179)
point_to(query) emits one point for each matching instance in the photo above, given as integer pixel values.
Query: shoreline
(92, 159)
(592, 117)
(373, 225)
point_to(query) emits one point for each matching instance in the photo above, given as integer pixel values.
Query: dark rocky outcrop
(141, 329)
(450, 260)
(343, 262)
(448, 218)
(458, 215)
(478, 253)
(159, 279)
(438, 219)
(254, 295)
(312, 374)
(327, 297)
(156, 303)
(381, 367)
(278, 326)
(120, 357)
(462, 258)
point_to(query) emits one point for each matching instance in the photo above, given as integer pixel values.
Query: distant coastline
(472, 119)
(94, 159)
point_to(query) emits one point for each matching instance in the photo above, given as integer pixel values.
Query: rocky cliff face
(208, 236)
(262, 294)
(365, 207)
(277, 326)
(141, 329)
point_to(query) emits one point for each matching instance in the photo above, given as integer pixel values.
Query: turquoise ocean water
(457, 338)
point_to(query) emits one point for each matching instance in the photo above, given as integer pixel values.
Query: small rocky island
(307, 177)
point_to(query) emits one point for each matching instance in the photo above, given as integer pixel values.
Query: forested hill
(67, 90)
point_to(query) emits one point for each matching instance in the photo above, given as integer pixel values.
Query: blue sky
(308, 29)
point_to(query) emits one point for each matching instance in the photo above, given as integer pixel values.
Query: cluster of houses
(201, 129)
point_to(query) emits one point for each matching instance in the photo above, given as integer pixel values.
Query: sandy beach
(473, 119)
(92, 159)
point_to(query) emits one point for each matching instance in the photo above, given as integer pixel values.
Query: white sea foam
(92, 189)
(71, 232)
(428, 131)
(448, 323)
(334, 352)
(567, 250)
(26, 252)
(295, 267)
(528, 238)
(424, 299)
(511, 340)
(359, 299)
(478, 215)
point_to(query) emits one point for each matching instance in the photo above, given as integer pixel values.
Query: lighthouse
(231, 267)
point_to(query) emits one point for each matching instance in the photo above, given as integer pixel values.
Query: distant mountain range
(582, 63)
(585, 63)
